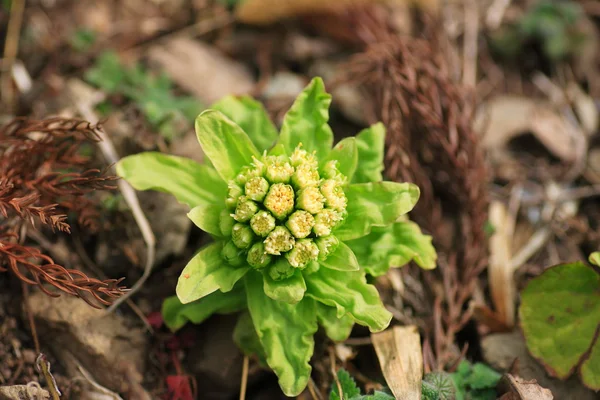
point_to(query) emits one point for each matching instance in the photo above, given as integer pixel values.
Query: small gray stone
(23, 392)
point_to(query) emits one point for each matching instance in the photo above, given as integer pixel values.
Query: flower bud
(326, 245)
(278, 170)
(303, 157)
(257, 257)
(257, 188)
(300, 223)
(233, 193)
(245, 210)
(304, 251)
(311, 200)
(262, 223)
(249, 172)
(334, 195)
(226, 223)
(232, 254)
(281, 270)
(325, 221)
(331, 171)
(242, 236)
(279, 241)
(311, 268)
(280, 200)
(305, 176)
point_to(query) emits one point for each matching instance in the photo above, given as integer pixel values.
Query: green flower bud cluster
(281, 212)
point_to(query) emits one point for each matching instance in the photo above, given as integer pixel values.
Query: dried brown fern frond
(43, 177)
(430, 143)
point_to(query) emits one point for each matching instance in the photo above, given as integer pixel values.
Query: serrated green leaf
(108, 73)
(342, 259)
(206, 217)
(346, 154)
(176, 314)
(370, 144)
(306, 121)
(206, 273)
(191, 183)
(375, 205)
(251, 116)
(348, 385)
(560, 315)
(337, 329)
(290, 290)
(350, 294)
(226, 145)
(482, 377)
(246, 338)
(393, 246)
(285, 332)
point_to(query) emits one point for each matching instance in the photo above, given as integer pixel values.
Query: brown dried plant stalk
(44, 177)
(430, 143)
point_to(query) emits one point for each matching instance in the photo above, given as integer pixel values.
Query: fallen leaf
(516, 388)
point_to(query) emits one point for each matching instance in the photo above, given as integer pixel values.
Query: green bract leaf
(370, 143)
(191, 183)
(346, 154)
(285, 332)
(560, 316)
(375, 204)
(393, 246)
(349, 293)
(206, 273)
(206, 217)
(226, 145)
(244, 335)
(342, 259)
(337, 329)
(290, 290)
(176, 314)
(306, 121)
(251, 116)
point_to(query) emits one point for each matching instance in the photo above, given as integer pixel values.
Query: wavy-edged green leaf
(191, 183)
(342, 259)
(286, 334)
(226, 145)
(350, 294)
(560, 316)
(346, 154)
(206, 217)
(176, 314)
(206, 273)
(393, 246)
(290, 290)
(337, 329)
(246, 338)
(251, 116)
(306, 121)
(375, 204)
(370, 143)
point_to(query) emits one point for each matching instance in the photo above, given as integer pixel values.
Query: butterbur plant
(296, 224)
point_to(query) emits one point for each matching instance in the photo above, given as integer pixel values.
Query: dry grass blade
(399, 353)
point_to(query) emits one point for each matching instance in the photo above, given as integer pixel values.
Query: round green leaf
(346, 154)
(370, 143)
(206, 217)
(560, 315)
(206, 273)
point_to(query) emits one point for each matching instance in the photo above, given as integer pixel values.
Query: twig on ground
(244, 383)
(132, 201)
(470, 43)
(43, 366)
(11, 48)
(495, 13)
(334, 372)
